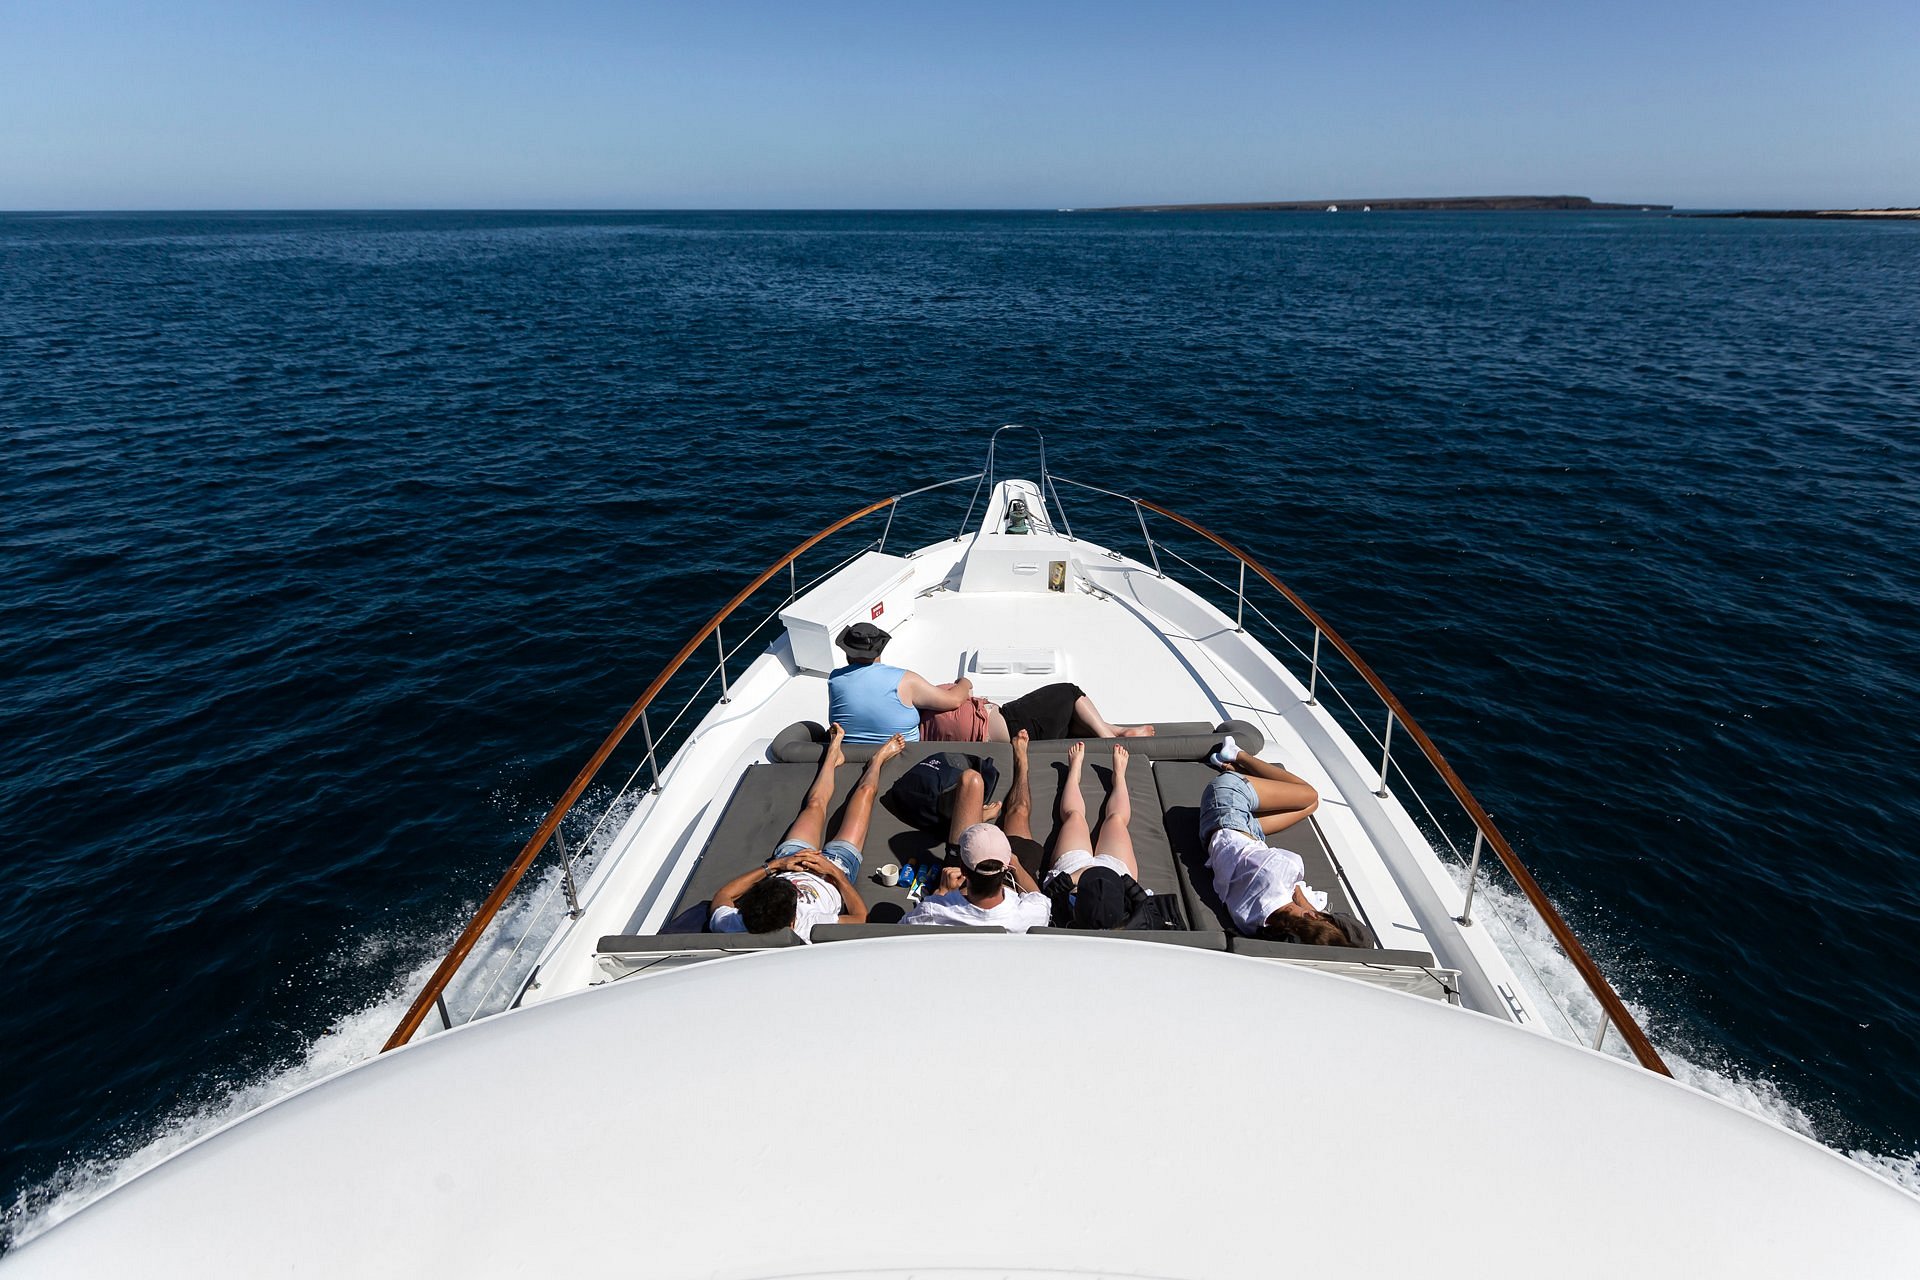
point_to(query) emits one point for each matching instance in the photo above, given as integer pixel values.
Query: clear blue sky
(106, 104)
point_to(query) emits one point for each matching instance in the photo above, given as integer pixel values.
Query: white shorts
(1072, 864)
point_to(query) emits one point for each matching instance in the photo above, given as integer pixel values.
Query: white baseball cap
(982, 844)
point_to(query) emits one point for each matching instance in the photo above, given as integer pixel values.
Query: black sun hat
(1100, 899)
(863, 640)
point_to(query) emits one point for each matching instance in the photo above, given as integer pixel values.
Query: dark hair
(771, 904)
(1316, 930)
(982, 883)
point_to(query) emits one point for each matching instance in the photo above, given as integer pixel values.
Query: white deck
(1145, 648)
(728, 1120)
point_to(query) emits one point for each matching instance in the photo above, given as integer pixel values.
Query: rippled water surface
(333, 543)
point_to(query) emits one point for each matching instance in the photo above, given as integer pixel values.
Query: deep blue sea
(332, 544)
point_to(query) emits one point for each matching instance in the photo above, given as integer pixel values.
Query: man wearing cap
(875, 701)
(1092, 883)
(984, 896)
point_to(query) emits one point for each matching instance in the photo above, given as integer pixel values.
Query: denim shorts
(1229, 802)
(839, 852)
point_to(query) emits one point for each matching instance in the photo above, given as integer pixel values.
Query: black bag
(1147, 910)
(918, 795)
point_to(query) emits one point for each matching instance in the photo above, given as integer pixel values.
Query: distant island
(1811, 213)
(1458, 204)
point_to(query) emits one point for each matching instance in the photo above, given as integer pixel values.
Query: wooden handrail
(1563, 934)
(469, 936)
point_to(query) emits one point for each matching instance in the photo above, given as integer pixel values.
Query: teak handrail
(470, 936)
(1563, 934)
(1610, 1002)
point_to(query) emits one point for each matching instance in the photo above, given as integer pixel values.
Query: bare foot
(1137, 731)
(835, 756)
(1020, 743)
(1119, 759)
(1075, 754)
(990, 810)
(889, 749)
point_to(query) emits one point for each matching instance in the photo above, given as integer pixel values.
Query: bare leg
(811, 825)
(1089, 715)
(853, 823)
(1115, 840)
(1070, 831)
(1016, 816)
(968, 806)
(1280, 798)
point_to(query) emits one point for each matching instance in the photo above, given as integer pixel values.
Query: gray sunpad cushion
(1181, 784)
(768, 798)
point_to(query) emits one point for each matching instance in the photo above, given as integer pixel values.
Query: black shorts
(1047, 712)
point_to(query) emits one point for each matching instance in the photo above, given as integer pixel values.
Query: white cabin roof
(1026, 1105)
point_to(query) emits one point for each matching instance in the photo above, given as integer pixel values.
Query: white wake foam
(486, 984)
(1556, 988)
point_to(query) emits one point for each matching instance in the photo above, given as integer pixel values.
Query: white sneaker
(1229, 752)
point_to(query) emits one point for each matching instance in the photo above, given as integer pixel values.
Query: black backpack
(916, 795)
(1145, 910)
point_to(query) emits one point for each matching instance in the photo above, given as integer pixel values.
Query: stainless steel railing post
(793, 581)
(440, 1003)
(566, 875)
(1313, 676)
(646, 727)
(725, 696)
(1473, 876)
(1240, 607)
(1386, 754)
(891, 508)
(1600, 1036)
(1151, 549)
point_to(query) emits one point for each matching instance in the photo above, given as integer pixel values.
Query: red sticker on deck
(878, 610)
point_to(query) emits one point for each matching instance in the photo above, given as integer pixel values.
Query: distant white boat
(1366, 208)
(1333, 208)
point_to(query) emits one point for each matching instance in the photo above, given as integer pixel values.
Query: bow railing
(1486, 834)
(432, 996)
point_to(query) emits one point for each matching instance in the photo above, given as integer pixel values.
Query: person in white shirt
(984, 896)
(809, 879)
(1264, 888)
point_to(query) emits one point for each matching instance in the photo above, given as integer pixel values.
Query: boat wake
(506, 955)
(1556, 987)
(486, 984)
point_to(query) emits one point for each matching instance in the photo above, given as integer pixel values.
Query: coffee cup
(888, 874)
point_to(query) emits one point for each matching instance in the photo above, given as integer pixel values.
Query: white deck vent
(1018, 662)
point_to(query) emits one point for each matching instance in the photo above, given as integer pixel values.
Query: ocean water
(332, 544)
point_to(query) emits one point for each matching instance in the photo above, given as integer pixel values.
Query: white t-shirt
(1017, 912)
(1254, 879)
(819, 903)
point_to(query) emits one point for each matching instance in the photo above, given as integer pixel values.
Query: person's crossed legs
(1281, 798)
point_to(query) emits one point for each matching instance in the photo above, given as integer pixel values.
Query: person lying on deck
(976, 892)
(875, 700)
(1092, 880)
(1051, 711)
(809, 879)
(994, 889)
(1264, 888)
